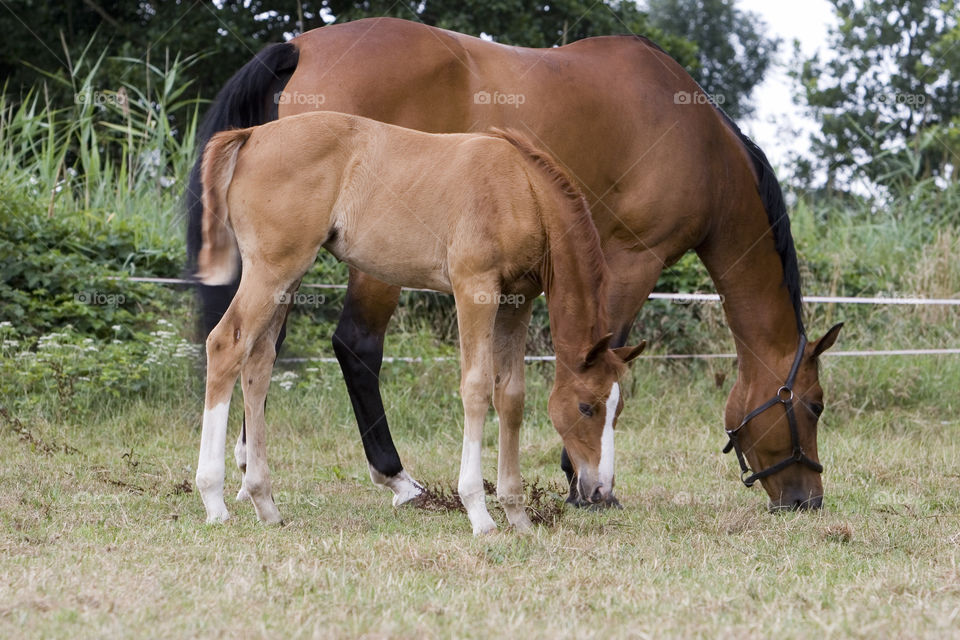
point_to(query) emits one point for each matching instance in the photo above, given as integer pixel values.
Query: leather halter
(783, 396)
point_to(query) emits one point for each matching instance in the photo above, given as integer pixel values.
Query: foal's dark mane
(768, 187)
(579, 227)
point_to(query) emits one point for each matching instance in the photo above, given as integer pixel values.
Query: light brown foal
(487, 217)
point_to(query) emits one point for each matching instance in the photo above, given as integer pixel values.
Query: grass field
(103, 536)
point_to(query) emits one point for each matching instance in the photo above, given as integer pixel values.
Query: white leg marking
(470, 488)
(606, 440)
(210, 467)
(404, 487)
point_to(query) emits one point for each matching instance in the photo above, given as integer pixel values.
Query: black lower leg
(360, 354)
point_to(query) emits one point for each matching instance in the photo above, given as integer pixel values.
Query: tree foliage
(886, 95)
(44, 38)
(732, 50)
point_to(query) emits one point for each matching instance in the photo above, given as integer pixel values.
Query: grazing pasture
(102, 532)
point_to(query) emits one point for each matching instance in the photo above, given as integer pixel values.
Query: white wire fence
(676, 297)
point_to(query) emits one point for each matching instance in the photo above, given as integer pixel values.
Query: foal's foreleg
(476, 314)
(508, 396)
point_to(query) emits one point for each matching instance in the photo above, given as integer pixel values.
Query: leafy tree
(732, 51)
(49, 37)
(46, 38)
(886, 96)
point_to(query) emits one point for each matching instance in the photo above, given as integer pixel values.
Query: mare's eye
(816, 408)
(586, 409)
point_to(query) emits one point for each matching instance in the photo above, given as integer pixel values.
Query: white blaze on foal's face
(606, 439)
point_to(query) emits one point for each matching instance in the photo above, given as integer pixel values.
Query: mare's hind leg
(358, 344)
(476, 299)
(228, 346)
(255, 380)
(509, 340)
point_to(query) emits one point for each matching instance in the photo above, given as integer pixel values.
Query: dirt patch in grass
(544, 501)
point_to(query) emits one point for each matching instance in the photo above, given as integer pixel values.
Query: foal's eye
(586, 409)
(816, 408)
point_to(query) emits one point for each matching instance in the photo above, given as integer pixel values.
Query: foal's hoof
(523, 526)
(272, 520)
(218, 518)
(242, 495)
(484, 525)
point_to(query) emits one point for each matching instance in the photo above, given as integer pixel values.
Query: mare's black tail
(246, 100)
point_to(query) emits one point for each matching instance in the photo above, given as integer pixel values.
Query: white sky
(780, 126)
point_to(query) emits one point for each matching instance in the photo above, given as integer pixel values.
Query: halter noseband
(783, 396)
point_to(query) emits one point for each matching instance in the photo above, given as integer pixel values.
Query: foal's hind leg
(509, 341)
(227, 347)
(240, 450)
(255, 380)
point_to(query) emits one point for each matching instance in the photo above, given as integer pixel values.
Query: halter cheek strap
(783, 396)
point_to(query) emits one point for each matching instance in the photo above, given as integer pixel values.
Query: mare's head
(584, 405)
(772, 421)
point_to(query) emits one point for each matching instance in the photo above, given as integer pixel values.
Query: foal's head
(584, 405)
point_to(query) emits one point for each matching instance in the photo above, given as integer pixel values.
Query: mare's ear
(626, 354)
(827, 340)
(594, 352)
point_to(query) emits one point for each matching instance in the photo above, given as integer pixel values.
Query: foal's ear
(827, 340)
(629, 353)
(594, 352)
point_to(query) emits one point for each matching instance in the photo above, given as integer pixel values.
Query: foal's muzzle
(592, 496)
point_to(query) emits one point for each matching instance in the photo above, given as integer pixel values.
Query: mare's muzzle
(785, 397)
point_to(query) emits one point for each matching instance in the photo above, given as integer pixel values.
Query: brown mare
(663, 171)
(479, 216)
